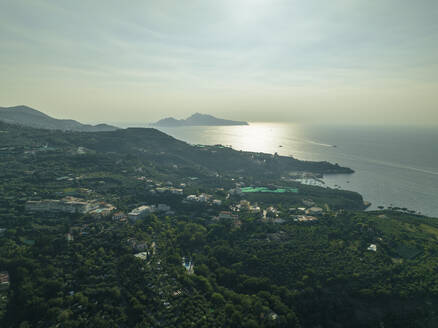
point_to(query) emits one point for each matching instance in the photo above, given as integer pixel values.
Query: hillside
(197, 119)
(153, 144)
(27, 116)
(248, 269)
(167, 157)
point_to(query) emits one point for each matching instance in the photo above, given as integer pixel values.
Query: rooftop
(4, 278)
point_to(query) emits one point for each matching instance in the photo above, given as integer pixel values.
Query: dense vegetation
(72, 270)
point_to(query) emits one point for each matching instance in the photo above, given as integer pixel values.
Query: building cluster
(38, 149)
(69, 205)
(271, 213)
(172, 190)
(306, 214)
(203, 198)
(162, 188)
(305, 218)
(103, 209)
(245, 205)
(310, 209)
(144, 210)
(144, 251)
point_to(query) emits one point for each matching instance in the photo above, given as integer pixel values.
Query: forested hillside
(215, 256)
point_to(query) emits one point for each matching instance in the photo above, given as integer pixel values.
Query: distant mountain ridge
(197, 119)
(27, 116)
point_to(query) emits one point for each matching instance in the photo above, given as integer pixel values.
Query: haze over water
(394, 166)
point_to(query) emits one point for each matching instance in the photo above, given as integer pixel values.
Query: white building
(176, 191)
(372, 247)
(142, 256)
(305, 218)
(141, 212)
(192, 198)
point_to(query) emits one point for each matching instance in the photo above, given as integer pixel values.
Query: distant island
(196, 119)
(27, 116)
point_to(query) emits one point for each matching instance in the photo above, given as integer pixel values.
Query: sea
(394, 166)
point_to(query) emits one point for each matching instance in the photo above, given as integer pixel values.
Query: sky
(317, 61)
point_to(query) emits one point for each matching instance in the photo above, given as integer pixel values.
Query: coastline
(380, 158)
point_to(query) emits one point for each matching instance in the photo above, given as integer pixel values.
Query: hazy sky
(276, 60)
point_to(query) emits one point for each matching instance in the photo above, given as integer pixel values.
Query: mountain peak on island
(27, 116)
(197, 119)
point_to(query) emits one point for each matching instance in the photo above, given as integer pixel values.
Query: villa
(140, 212)
(67, 205)
(372, 247)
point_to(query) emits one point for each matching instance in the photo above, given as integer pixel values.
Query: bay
(394, 166)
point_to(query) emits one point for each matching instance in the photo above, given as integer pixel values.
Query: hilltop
(27, 116)
(197, 119)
